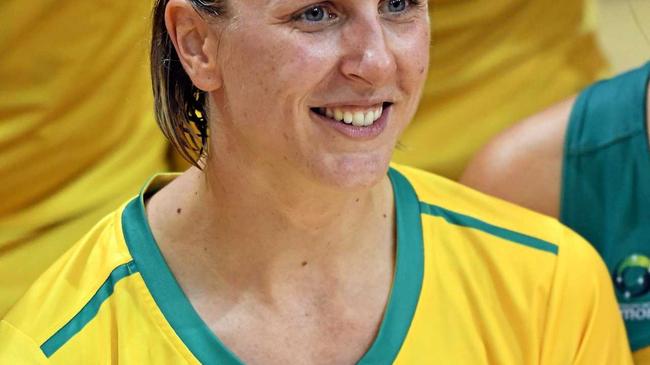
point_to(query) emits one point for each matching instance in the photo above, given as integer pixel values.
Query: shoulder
(609, 111)
(523, 164)
(73, 287)
(462, 206)
(514, 249)
(582, 313)
(531, 266)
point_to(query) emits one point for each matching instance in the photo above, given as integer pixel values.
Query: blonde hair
(179, 105)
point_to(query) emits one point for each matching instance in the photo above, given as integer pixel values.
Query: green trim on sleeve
(470, 222)
(205, 345)
(89, 311)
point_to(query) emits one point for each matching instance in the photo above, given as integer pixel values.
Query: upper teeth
(358, 118)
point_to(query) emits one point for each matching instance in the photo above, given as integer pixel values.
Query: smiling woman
(293, 59)
(291, 239)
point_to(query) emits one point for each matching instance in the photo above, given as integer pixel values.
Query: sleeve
(583, 325)
(17, 348)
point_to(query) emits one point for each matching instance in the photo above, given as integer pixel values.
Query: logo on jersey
(632, 276)
(632, 281)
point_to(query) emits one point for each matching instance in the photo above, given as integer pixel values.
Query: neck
(251, 230)
(268, 214)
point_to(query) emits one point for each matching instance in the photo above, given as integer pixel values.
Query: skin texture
(524, 163)
(285, 242)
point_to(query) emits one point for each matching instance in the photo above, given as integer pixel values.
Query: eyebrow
(282, 2)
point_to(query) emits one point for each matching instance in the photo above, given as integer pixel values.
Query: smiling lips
(357, 117)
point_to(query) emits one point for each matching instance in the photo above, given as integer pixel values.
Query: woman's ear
(196, 44)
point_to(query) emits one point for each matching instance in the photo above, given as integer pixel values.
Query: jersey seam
(573, 151)
(549, 299)
(23, 334)
(88, 311)
(466, 221)
(86, 297)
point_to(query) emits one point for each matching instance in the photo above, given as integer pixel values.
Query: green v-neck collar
(206, 346)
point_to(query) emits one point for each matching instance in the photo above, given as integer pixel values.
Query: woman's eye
(396, 6)
(316, 14)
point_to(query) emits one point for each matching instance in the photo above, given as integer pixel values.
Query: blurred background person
(492, 64)
(586, 161)
(77, 132)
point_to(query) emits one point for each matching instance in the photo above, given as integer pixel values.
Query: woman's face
(320, 90)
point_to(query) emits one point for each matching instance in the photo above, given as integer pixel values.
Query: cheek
(267, 67)
(411, 45)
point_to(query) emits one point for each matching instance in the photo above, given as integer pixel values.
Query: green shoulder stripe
(470, 222)
(89, 311)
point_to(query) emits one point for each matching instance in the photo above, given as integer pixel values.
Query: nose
(367, 58)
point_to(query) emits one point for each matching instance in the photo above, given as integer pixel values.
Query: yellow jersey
(477, 281)
(77, 131)
(493, 63)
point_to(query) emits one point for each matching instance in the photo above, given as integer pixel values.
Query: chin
(353, 172)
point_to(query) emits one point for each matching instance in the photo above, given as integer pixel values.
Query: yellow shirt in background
(77, 132)
(494, 62)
